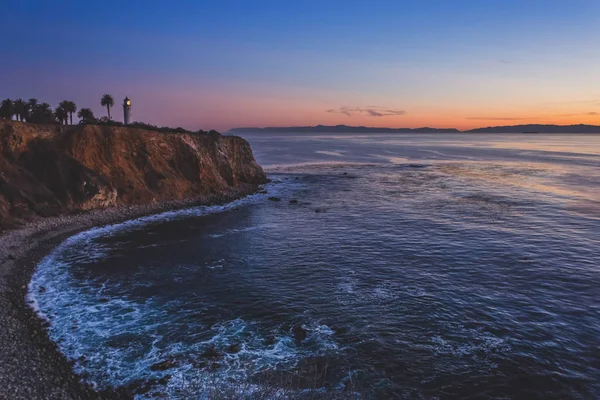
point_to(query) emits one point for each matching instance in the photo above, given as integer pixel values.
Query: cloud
(578, 114)
(499, 118)
(370, 111)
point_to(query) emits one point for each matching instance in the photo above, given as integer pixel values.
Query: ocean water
(418, 266)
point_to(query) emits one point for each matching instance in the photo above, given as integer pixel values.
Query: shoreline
(32, 366)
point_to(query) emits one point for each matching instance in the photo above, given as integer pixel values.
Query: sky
(222, 64)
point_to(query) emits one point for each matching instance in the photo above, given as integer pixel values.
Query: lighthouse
(126, 111)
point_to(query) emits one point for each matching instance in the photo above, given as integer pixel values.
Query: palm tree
(20, 109)
(31, 103)
(86, 116)
(6, 109)
(61, 115)
(70, 107)
(107, 101)
(41, 114)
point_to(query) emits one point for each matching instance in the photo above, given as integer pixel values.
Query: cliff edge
(48, 170)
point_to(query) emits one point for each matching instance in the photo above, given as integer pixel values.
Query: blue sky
(223, 64)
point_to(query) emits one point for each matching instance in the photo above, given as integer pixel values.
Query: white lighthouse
(126, 111)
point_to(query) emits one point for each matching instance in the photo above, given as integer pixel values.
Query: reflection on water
(416, 266)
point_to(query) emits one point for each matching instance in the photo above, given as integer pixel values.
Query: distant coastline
(529, 129)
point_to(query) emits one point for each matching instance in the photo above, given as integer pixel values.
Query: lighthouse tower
(126, 111)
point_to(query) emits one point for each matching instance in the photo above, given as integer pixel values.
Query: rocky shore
(31, 365)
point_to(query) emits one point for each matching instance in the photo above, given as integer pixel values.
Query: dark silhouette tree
(107, 101)
(86, 116)
(6, 109)
(20, 109)
(31, 105)
(41, 114)
(61, 115)
(70, 107)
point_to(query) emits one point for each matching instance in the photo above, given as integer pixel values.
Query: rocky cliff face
(47, 170)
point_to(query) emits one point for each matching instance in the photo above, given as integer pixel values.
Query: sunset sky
(224, 64)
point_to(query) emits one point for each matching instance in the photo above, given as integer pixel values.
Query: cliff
(48, 170)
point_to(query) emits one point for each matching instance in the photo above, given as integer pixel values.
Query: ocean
(427, 266)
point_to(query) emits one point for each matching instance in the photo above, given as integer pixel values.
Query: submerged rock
(212, 352)
(270, 340)
(233, 348)
(140, 386)
(274, 198)
(293, 201)
(163, 365)
(164, 380)
(299, 332)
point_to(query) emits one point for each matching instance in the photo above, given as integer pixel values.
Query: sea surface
(406, 266)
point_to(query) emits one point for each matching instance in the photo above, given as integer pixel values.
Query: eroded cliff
(48, 170)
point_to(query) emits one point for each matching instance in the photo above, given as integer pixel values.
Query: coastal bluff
(50, 170)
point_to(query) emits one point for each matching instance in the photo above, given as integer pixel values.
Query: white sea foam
(117, 340)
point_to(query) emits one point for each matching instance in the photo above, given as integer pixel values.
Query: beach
(33, 367)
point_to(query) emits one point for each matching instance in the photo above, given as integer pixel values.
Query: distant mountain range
(364, 129)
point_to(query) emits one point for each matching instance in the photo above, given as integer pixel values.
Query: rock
(274, 198)
(215, 365)
(163, 365)
(318, 210)
(212, 352)
(103, 300)
(10, 257)
(233, 348)
(140, 386)
(293, 201)
(263, 192)
(341, 330)
(164, 380)
(299, 333)
(42, 289)
(270, 340)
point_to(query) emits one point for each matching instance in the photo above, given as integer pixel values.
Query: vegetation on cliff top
(33, 111)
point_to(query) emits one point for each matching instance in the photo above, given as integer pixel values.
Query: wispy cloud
(371, 111)
(578, 114)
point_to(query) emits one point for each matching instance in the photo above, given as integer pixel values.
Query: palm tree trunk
(108, 108)
(71, 116)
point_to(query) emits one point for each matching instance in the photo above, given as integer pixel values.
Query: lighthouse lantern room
(126, 111)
